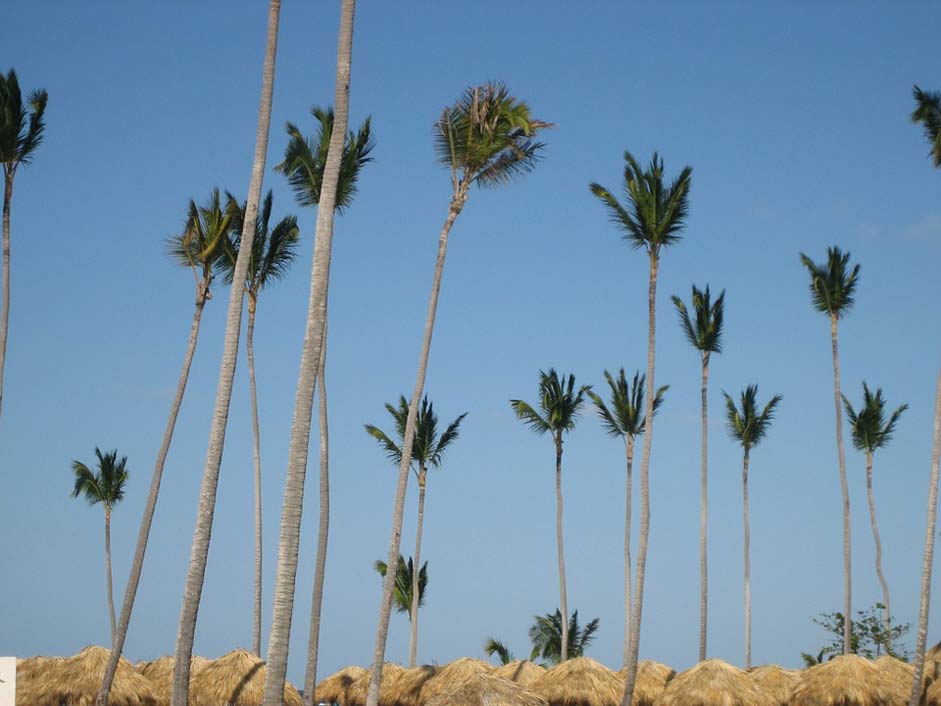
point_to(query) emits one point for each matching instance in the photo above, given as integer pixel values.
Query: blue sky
(794, 118)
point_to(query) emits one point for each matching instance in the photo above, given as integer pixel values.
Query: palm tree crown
(402, 595)
(546, 636)
(747, 425)
(493, 646)
(559, 401)
(625, 416)
(832, 285)
(705, 331)
(870, 428)
(655, 215)
(928, 113)
(202, 244)
(105, 486)
(21, 130)
(428, 448)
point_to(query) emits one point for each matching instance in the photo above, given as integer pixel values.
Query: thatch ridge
(448, 677)
(407, 688)
(235, 679)
(356, 693)
(521, 671)
(332, 690)
(713, 683)
(483, 689)
(652, 680)
(777, 681)
(579, 682)
(160, 674)
(847, 680)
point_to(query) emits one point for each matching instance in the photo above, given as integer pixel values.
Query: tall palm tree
(560, 403)
(105, 486)
(199, 248)
(928, 113)
(704, 333)
(832, 288)
(409, 584)
(273, 251)
(652, 219)
(748, 426)
(486, 138)
(21, 132)
(546, 636)
(625, 419)
(427, 450)
(871, 431)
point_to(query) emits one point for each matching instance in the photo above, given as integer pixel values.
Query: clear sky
(794, 118)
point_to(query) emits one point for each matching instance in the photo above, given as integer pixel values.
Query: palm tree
(493, 646)
(928, 113)
(273, 251)
(486, 138)
(748, 426)
(409, 586)
(653, 219)
(625, 419)
(21, 132)
(705, 335)
(560, 404)
(832, 287)
(546, 636)
(106, 486)
(427, 450)
(872, 431)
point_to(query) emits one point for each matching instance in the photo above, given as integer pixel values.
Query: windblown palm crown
(21, 131)
(625, 416)
(748, 425)
(202, 244)
(928, 113)
(428, 447)
(869, 426)
(704, 330)
(832, 283)
(559, 401)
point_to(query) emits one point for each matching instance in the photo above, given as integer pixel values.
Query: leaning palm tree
(871, 431)
(546, 636)
(704, 333)
(486, 138)
(832, 288)
(560, 404)
(625, 419)
(273, 251)
(105, 486)
(409, 584)
(653, 219)
(427, 450)
(21, 132)
(928, 113)
(748, 426)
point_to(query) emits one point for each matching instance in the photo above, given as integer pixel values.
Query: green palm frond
(392, 449)
(832, 284)
(928, 113)
(204, 240)
(559, 401)
(493, 646)
(546, 636)
(106, 485)
(402, 594)
(625, 416)
(705, 331)
(427, 447)
(869, 426)
(747, 425)
(21, 130)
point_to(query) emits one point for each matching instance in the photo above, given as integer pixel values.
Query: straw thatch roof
(579, 682)
(933, 663)
(75, 681)
(235, 679)
(448, 676)
(486, 689)
(776, 681)
(160, 674)
(356, 693)
(332, 690)
(714, 683)
(848, 680)
(652, 680)
(522, 671)
(407, 688)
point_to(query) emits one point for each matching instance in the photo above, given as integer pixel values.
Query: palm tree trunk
(627, 552)
(747, 562)
(563, 601)
(644, 484)
(878, 542)
(416, 570)
(5, 307)
(844, 489)
(256, 447)
(919, 662)
(323, 529)
(207, 492)
(137, 565)
(293, 506)
(388, 583)
(108, 572)
(703, 573)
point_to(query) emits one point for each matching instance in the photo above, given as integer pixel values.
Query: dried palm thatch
(356, 694)
(407, 688)
(486, 689)
(235, 679)
(75, 681)
(652, 680)
(448, 676)
(714, 683)
(579, 682)
(777, 681)
(522, 671)
(848, 680)
(160, 674)
(933, 663)
(332, 690)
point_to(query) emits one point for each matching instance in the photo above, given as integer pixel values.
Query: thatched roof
(332, 690)
(407, 688)
(848, 680)
(714, 683)
(486, 689)
(579, 682)
(160, 674)
(776, 681)
(933, 663)
(235, 679)
(521, 671)
(652, 680)
(448, 676)
(75, 681)
(356, 694)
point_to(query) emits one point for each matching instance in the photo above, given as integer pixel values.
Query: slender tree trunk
(644, 484)
(747, 561)
(108, 572)
(5, 306)
(703, 572)
(388, 583)
(416, 569)
(137, 565)
(563, 600)
(293, 506)
(256, 449)
(629, 450)
(878, 542)
(323, 529)
(207, 494)
(921, 639)
(844, 488)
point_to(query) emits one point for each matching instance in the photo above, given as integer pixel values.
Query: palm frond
(492, 647)
(928, 113)
(21, 131)
(393, 452)
(832, 284)
(870, 429)
(705, 333)
(529, 416)
(747, 425)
